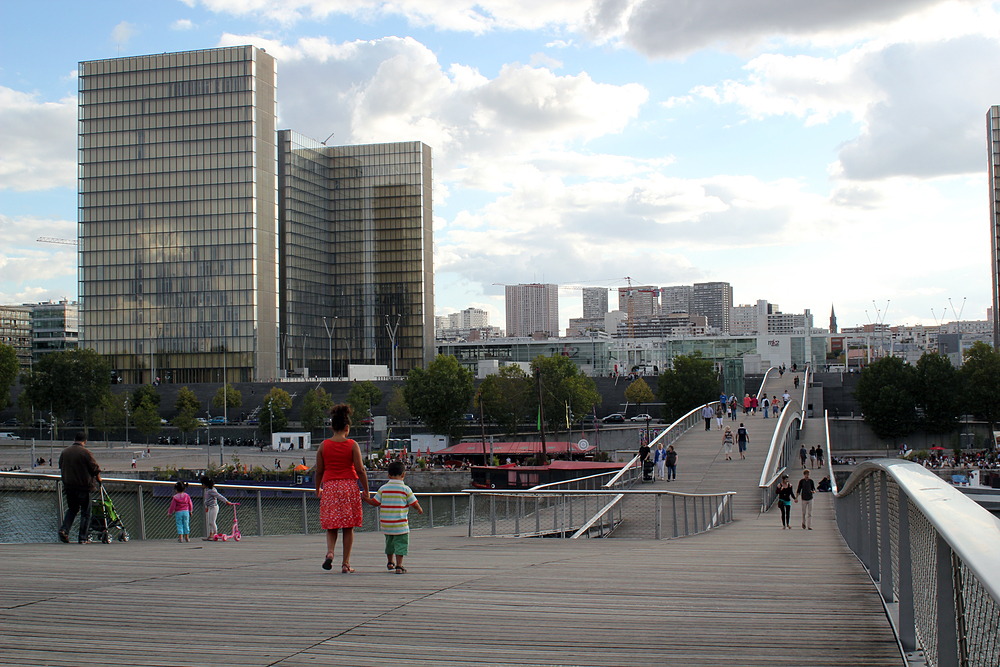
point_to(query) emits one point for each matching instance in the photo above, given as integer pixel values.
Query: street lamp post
(329, 335)
(392, 329)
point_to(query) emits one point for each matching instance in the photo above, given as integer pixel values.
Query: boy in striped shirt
(394, 500)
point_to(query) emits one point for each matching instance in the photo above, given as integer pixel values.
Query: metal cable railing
(780, 453)
(31, 508)
(933, 554)
(650, 514)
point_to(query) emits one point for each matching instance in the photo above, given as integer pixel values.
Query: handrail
(551, 485)
(933, 553)
(829, 453)
(805, 391)
(764, 381)
(779, 453)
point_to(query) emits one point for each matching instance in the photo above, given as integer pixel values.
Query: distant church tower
(833, 320)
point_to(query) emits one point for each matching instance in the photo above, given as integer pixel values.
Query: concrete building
(356, 249)
(639, 300)
(15, 331)
(531, 309)
(178, 245)
(55, 326)
(676, 299)
(591, 354)
(993, 169)
(595, 302)
(713, 300)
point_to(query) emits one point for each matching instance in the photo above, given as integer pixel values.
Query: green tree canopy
(396, 408)
(981, 373)
(639, 392)
(146, 419)
(144, 394)
(563, 387)
(440, 395)
(110, 414)
(71, 381)
(316, 405)
(505, 397)
(187, 406)
(887, 393)
(939, 391)
(228, 397)
(8, 373)
(691, 382)
(362, 397)
(272, 412)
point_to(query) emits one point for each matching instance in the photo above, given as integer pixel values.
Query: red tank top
(338, 460)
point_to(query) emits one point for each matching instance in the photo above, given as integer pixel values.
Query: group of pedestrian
(804, 493)
(664, 461)
(814, 456)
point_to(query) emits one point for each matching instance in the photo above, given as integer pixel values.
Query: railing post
(60, 510)
(685, 508)
(562, 531)
(305, 515)
(673, 505)
(454, 507)
(538, 516)
(907, 629)
(885, 536)
(947, 640)
(260, 516)
(430, 505)
(493, 515)
(659, 515)
(142, 513)
(861, 535)
(517, 516)
(472, 511)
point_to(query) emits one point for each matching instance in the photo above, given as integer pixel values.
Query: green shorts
(398, 545)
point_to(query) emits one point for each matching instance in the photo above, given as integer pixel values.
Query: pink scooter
(235, 535)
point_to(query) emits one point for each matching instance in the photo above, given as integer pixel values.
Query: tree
(110, 414)
(939, 393)
(505, 397)
(146, 419)
(8, 373)
(228, 397)
(315, 406)
(145, 395)
(187, 406)
(362, 397)
(981, 374)
(564, 390)
(272, 411)
(440, 395)
(69, 381)
(692, 381)
(639, 392)
(396, 408)
(887, 394)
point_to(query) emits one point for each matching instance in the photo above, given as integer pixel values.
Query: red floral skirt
(340, 504)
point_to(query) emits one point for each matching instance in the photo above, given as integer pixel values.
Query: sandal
(346, 569)
(400, 569)
(390, 566)
(328, 563)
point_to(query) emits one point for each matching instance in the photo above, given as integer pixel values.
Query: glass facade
(177, 214)
(355, 236)
(54, 327)
(591, 355)
(15, 331)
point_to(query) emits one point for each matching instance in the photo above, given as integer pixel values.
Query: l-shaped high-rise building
(206, 249)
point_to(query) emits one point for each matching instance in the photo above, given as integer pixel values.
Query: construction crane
(51, 239)
(630, 295)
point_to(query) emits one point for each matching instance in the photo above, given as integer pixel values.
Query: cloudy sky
(808, 153)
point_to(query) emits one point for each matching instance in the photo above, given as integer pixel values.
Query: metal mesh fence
(981, 618)
(892, 500)
(923, 554)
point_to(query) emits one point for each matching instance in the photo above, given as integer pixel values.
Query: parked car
(253, 421)
(641, 418)
(469, 417)
(10, 436)
(217, 421)
(201, 421)
(614, 418)
(13, 421)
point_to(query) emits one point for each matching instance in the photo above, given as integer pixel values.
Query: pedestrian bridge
(896, 548)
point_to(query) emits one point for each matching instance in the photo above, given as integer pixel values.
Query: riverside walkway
(747, 593)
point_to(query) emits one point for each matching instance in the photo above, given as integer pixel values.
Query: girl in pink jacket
(180, 507)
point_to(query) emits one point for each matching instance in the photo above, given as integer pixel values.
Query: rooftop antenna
(959, 319)
(327, 139)
(937, 322)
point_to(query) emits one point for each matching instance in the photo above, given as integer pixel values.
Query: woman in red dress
(338, 469)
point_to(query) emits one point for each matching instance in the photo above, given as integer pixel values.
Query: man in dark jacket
(80, 475)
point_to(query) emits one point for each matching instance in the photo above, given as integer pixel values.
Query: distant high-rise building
(833, 320)
(532, 309)
(55, 327)
(713, 300)
(993, 146)
(15, 332)
(474, 318)
(676, 299)
(639, 300)
(595, 302)
(750, 320)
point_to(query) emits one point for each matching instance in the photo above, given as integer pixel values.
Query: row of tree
(897, 398)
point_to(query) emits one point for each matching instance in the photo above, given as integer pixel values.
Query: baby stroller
(647, 471)
(104, 519)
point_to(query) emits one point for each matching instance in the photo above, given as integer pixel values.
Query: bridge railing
(781, 451)
(31, 508)
(636, 513)
(934, 555)
(763, 383)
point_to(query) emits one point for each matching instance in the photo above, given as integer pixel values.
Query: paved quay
(746, 594)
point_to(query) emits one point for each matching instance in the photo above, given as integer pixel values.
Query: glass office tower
(177, 214)
(355, 237)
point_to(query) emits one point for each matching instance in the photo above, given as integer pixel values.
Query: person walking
(753, 404)
(802, 456)
(765, 405)
(775, 406)
(795, 381)
(181, 507)
(727, 444)
(707, 413)
(80, 475)
(733, 406)
(671, 461)
(819, 456)
(339, 469)
(742, 440)
(660, 460)
(719, 415)
(746, 404)
(785, 497)
(812, 457)
(394, 500)
(785, 398)
(805, 491)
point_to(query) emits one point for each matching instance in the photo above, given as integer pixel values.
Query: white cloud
(38, 142)
(123, 32)
(559, 44)
(29, 270)
(542, 60)
(182, 24)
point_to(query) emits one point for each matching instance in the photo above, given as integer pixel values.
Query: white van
(9, 436)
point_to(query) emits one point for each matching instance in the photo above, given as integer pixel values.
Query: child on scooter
(211, 498)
